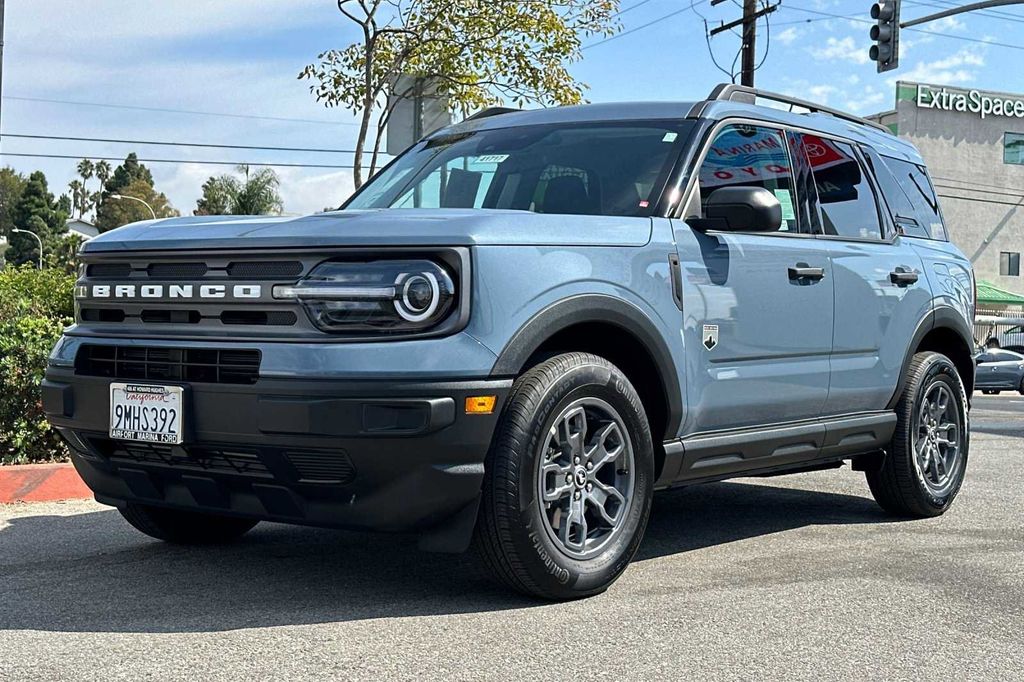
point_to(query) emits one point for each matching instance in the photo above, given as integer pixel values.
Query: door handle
(902, 277)
(804, 271)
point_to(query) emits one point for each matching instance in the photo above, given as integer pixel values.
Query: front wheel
(926, 461)
(184, 527)
(569, 480)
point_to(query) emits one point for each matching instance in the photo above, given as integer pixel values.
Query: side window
(845, 197)
(917, 187)
(902, 210)
(751, 156)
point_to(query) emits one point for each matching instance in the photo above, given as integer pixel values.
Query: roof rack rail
(730, 92)
(492, 111)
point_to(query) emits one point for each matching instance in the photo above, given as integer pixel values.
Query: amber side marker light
(481, 404)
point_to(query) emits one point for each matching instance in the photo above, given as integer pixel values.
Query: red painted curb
(41, 483)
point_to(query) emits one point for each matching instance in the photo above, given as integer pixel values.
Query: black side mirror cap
(740, 209)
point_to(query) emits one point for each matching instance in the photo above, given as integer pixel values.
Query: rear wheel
(185, 528)
(569, 480)
(925, 464)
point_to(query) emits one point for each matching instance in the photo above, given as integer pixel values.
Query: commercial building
(973, 143)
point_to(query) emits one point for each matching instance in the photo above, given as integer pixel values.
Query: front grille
(321, 466)
(264, 270)
(332, 467)
(224, 459)
(197, 365)
(110, 270)
(177, 270)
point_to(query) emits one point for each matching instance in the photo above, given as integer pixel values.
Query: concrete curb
(41, 483)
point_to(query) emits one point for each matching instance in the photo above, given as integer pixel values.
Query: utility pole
(1, 53)
(751, 14)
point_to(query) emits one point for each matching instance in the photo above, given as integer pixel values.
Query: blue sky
(242, 57)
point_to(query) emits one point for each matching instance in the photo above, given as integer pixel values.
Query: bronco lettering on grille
(169, 291)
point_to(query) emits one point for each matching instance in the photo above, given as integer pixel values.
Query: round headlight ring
(404, 306)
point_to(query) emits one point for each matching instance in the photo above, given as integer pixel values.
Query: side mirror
(740, 209)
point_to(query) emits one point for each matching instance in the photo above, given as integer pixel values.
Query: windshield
(615, 169)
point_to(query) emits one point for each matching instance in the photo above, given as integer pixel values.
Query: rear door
(757, 306)
(881, 292)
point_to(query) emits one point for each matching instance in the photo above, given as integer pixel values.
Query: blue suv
(523, 327)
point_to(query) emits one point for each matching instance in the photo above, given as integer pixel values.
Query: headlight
(385, 296)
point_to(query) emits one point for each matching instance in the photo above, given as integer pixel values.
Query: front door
(757, 307)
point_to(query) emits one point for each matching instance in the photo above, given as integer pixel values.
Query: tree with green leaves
(35, 211)
(131, 178)
(255, 194)
(477, 52)
(12, 184)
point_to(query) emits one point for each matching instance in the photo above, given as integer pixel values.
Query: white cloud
(787, 37)
(959, 67)
(842, 49)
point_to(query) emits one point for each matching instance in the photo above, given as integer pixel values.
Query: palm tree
(103, 172)
(258, 194)
(79, 197)
(86, 169)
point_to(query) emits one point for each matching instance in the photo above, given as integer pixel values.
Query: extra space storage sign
(969, 101)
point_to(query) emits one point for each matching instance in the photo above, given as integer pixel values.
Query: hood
(385, 227)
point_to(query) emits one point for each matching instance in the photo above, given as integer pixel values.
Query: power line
(979, 184)
(915, 30)
(635, 29)
(178, 144)
(177, 111)
(1019, 204)
(181, 161)
(631, 7)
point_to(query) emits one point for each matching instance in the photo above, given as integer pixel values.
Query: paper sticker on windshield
(670, 137)
(490, 158)
(710, 336)
(786, 199)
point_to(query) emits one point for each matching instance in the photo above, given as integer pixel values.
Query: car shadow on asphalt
(92, 573)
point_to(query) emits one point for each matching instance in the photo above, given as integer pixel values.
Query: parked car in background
(999, 370)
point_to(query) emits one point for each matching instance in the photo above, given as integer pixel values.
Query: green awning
(991, 294)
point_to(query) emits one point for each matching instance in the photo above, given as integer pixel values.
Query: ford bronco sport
(523, 327)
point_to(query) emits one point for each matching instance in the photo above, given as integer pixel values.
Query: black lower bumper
(392, 456)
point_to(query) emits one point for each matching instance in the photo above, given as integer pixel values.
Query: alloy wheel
(586, 477)
(938, 454)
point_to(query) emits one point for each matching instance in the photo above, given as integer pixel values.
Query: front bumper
(382, 455)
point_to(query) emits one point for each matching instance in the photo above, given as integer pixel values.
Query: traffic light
(886, 34)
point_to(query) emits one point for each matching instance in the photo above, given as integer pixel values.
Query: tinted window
(901, 209)
(586, 169)
(1013, 148)
(1005, 356)
(1009, 263)
(847, 202)
(751, 156)
(917, 188)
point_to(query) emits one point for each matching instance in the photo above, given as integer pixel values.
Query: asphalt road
(798, 577)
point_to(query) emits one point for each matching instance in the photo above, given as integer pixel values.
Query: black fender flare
(942, 317)
(600, 308)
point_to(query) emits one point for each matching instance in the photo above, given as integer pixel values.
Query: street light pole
(17, 231)
(125, 196)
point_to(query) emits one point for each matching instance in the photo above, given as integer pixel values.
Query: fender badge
(710, 336)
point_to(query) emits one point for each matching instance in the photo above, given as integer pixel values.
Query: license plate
(142, 412)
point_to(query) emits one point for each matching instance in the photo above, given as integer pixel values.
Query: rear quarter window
(910, 196)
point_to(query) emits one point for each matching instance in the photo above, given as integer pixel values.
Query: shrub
(35, 306)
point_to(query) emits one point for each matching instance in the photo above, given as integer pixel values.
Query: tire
(535, 546)
(1020, 389)
(924, 485)
(185, 528)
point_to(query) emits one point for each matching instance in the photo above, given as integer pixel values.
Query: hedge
(35, 306)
